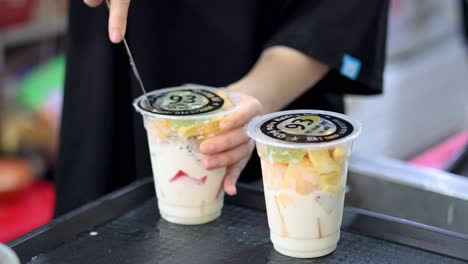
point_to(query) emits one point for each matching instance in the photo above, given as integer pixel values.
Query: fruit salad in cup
(304, 159)
(177, 121)
(296, 179)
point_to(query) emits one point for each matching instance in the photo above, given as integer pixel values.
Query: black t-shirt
(103, 143)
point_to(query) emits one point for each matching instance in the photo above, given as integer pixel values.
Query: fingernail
(232, 190)
(115, 35)
(225, 125)
(91, 3)
(207, 148)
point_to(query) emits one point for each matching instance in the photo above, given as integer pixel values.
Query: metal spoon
(133, 65)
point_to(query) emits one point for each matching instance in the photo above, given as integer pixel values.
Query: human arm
(280, 75)
(345, 38)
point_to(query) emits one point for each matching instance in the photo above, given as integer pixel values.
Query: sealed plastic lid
(303, 129)
(187, 101)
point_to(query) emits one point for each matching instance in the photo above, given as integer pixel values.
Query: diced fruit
(333, 189)
(201, 181)
(179, 123)
(181, 175)
(304, 187)
(201, 129)
(339, 155)
(285, 199)
(284, 231)
(285, 155)
(227, 102)
(159, 128)
(319, 229)
(273, 173)
(322, 161)
(332, 178)
(301, 177)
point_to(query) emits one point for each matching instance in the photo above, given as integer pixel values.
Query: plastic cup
(179, 120)
(7, 255)
(304, 156)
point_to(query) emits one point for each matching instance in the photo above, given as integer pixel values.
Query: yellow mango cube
(285, 199)
(207, 128)
(322, 161)
(333, 190)
(158, 128)
(332, 178)
(339, 155)
(227, 102)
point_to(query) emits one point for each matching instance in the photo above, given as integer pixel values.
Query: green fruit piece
(196, 128)
(175, 123)
(227, 102)
(285, 155)
(207, 128)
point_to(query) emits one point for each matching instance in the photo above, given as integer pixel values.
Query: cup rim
(144, 112)
(252, 130)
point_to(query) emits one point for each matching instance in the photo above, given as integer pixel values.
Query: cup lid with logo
(189, 101)
(303, 129)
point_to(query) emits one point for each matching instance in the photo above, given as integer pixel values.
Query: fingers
(251, 107)
(224, 142)
(93, 3)
(232, 175)
(229, 157)
(118, 19)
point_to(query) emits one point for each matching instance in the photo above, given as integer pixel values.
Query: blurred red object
(438, 156)
(14, 12)
(32, 209)
(15, 176)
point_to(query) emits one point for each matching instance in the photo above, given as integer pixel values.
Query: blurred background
(421, 120)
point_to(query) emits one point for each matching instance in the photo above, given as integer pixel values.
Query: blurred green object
(41, 82)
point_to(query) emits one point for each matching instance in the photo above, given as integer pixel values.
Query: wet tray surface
(241, 235)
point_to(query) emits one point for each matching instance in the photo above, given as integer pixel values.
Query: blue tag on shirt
(350, 67)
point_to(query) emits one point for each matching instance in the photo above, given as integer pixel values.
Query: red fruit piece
(200, 181)
(181, 174)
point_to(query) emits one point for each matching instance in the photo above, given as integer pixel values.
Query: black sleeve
(349, 36)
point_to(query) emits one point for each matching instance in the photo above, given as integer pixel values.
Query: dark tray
(125, 227)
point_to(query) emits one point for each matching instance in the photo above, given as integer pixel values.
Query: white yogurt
(187, 192)
(304, 226)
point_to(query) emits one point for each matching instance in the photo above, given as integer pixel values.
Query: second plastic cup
(304, 156)
(7, 255)
(178, 120)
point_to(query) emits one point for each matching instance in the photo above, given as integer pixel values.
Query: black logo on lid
(307, 128)
(186, 102)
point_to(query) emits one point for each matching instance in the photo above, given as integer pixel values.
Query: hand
(232, 148)
(117, 17)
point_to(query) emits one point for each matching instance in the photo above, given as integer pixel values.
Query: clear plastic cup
(304, 156)
(179, 120)
(7, 255)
